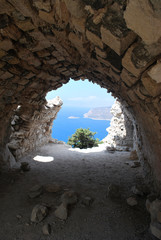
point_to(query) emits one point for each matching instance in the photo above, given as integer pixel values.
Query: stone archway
(114, 44)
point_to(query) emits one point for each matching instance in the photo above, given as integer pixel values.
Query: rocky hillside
(99, 113)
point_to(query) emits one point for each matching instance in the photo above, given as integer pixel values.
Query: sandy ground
(89, 173)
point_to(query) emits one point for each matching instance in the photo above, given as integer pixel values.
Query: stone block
(97, 18)
(47, 17)
(25, 25)
(76, 8)
(6, 44)
(11, 32)
(62, 12)
(14, 61)
(128, 78)
(25, 8)
(2, 53)
(132, 96)
(137, 59)
(43, 53)
(15, 70)
(79, 24)
(153, 88)
(141, 92)
(23, 81)
(119, 45)
(6, 7)
(78, 44)
(155, 72)
(141, 18)
(43, 5)
(94, 39)
(2, 63)
(30, 75)
(39, 212)
(155, 228)
(100, 53)
(6, 75)
(28, 56)
(52, 61)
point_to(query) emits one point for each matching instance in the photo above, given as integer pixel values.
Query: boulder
(113, 191)
(69, 198)
(46, 229)
(131, 201)
(52, 188)
(39, 212)
(61, 212)
(35, 191)
(155, 228)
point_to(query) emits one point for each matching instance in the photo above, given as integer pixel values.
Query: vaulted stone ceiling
(117, 44)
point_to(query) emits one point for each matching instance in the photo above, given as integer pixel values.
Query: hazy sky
(82, 94)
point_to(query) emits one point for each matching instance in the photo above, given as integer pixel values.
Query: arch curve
(114, 44)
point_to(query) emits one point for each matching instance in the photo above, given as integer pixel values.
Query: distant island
(99, 113)
(72, 117)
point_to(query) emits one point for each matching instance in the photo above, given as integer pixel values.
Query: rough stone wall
(31, 127)
(120, 132)
(110, 42)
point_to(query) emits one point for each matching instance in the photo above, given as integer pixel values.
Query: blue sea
(64, 127)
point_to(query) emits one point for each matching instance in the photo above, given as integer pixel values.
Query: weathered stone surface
(6, 45)
(79, 24)
(120, 132)
(61, 212)
(35, 191)
(31, 133)
(151, 86)
(156, 229)
(25, 25)
(76, 8)
(46, 229)
(77, 43)
(47, 17)
(155, 208)
(113, 191)
(131, 201)
(52, 188)
(43, 5)
(119, 45)
(141, 18)
(94, 39)
(128, 78)
(69, 198)
(39, 212)
(155, 72)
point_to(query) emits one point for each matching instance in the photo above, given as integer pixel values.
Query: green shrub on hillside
(83, 138)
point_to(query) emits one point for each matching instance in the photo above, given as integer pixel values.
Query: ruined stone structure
(31, 126)
(121, 131)
(116, 44)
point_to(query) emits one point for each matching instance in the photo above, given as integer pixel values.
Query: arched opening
(79, 98)
(115, 44)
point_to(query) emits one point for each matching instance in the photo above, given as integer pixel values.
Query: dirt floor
(88, 173)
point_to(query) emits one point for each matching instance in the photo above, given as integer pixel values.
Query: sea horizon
(69, 119)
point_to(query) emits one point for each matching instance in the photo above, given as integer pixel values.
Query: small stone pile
(68, 199)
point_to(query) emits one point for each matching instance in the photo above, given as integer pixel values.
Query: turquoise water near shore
(64, 127)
